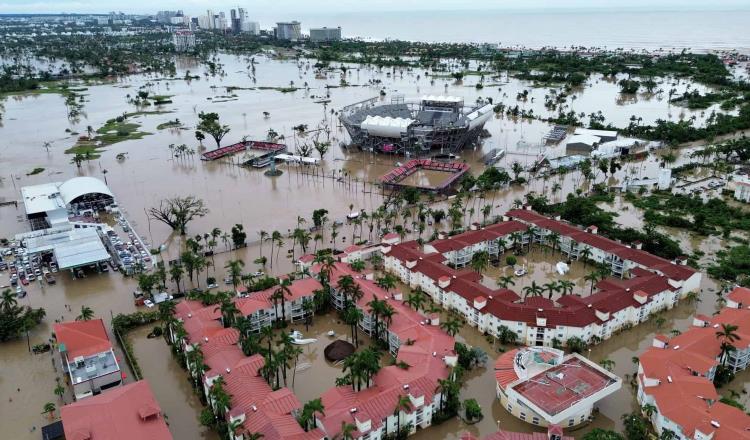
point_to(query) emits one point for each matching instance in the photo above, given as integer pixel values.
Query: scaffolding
(414, 128)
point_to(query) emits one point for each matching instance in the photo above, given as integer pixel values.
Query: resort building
(676, 375)
(544, 387)
(128, 412)
(87, 357)
(414, 340)
(254, 406)
(325, 34)
(554, 432)
(644, 284)
(260, 310)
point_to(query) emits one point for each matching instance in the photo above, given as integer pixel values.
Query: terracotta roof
(126, 412)
(83, 338)
(740, 295)
(668, 375)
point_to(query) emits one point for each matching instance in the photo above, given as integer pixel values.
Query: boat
(562, 268)
(297, 338)
(521, 271)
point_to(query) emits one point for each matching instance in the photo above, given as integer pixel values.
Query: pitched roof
(83, 338)
(126, 412)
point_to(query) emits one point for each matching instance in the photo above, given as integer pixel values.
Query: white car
(148, 303)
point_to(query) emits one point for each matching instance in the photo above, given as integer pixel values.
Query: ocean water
(699, 31)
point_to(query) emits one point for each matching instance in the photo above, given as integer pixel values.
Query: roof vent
(715, 424)
(669, 379)
(190, 315)
(406, 386)
(254, 408)
(628, 289)
(353, 410)
(228, 370)
(205, 338)
(716, 325)
(588, 306)
(676, 347)
(434, 353)
(539, 310)
(490, 297)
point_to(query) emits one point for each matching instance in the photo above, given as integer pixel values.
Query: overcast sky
(287, 7)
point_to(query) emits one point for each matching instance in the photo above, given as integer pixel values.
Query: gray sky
(287, 7)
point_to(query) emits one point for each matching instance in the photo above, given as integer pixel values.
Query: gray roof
(73, 248)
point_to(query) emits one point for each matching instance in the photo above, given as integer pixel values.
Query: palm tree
(607, 364)
(313, 408)
(505, 281)
(49, 409)
(727, 335)
(554, 239)
(353, 316)
(533, 290)
(8, 301)
(386, 282)
(551, 288)
(480, 261)
(648, 410)
(175, 274)
(59, 391)
(593, 278)
(347, 431)
(451, 325)
(566, 287)
(234, 268)
(87, 314)
(585, 254)
(403, 404)
(281, 292)
(229, 312)
(416, 299)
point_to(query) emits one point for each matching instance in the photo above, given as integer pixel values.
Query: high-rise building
(289, 30)
(183, 40)
(251, 27)
(234, 22)
(325, 34)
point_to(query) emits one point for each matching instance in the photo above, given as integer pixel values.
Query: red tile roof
(126, 412)
(740, 295)
(680, 395)
(83, 338)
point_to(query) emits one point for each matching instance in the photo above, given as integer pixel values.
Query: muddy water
(170, 385)
(237, 195)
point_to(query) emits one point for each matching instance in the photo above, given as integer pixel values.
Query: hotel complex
(643, 285)
(676, 375)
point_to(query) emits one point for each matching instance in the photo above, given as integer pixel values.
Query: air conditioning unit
(79, 361)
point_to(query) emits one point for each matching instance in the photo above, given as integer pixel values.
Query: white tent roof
(79, 186)
(441, 98)
(386, 126)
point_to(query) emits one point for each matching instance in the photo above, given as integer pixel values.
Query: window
(510, 407)
(570, 422)
(522, 416)
(535, 420)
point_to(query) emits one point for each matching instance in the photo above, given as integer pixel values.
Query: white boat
(562, 268)
(297, 338)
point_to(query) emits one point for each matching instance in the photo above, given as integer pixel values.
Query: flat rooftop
(94, 366)
(561, 387)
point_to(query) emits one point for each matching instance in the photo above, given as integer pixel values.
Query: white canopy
(386, 126)
(441, 98)
(78, 186)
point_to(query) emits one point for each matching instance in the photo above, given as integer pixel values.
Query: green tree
(87, 314)
(209, 123)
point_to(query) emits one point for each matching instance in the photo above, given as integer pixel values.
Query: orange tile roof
(83, 338)
(127, 412)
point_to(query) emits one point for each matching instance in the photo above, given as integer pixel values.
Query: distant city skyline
(290, 7)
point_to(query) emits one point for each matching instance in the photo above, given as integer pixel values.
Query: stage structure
(415, 128)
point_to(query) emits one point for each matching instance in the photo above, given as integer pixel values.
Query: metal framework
(414, 128)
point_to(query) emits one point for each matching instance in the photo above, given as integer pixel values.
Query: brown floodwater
(234, 194)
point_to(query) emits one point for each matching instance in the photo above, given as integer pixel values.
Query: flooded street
(149, 173)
